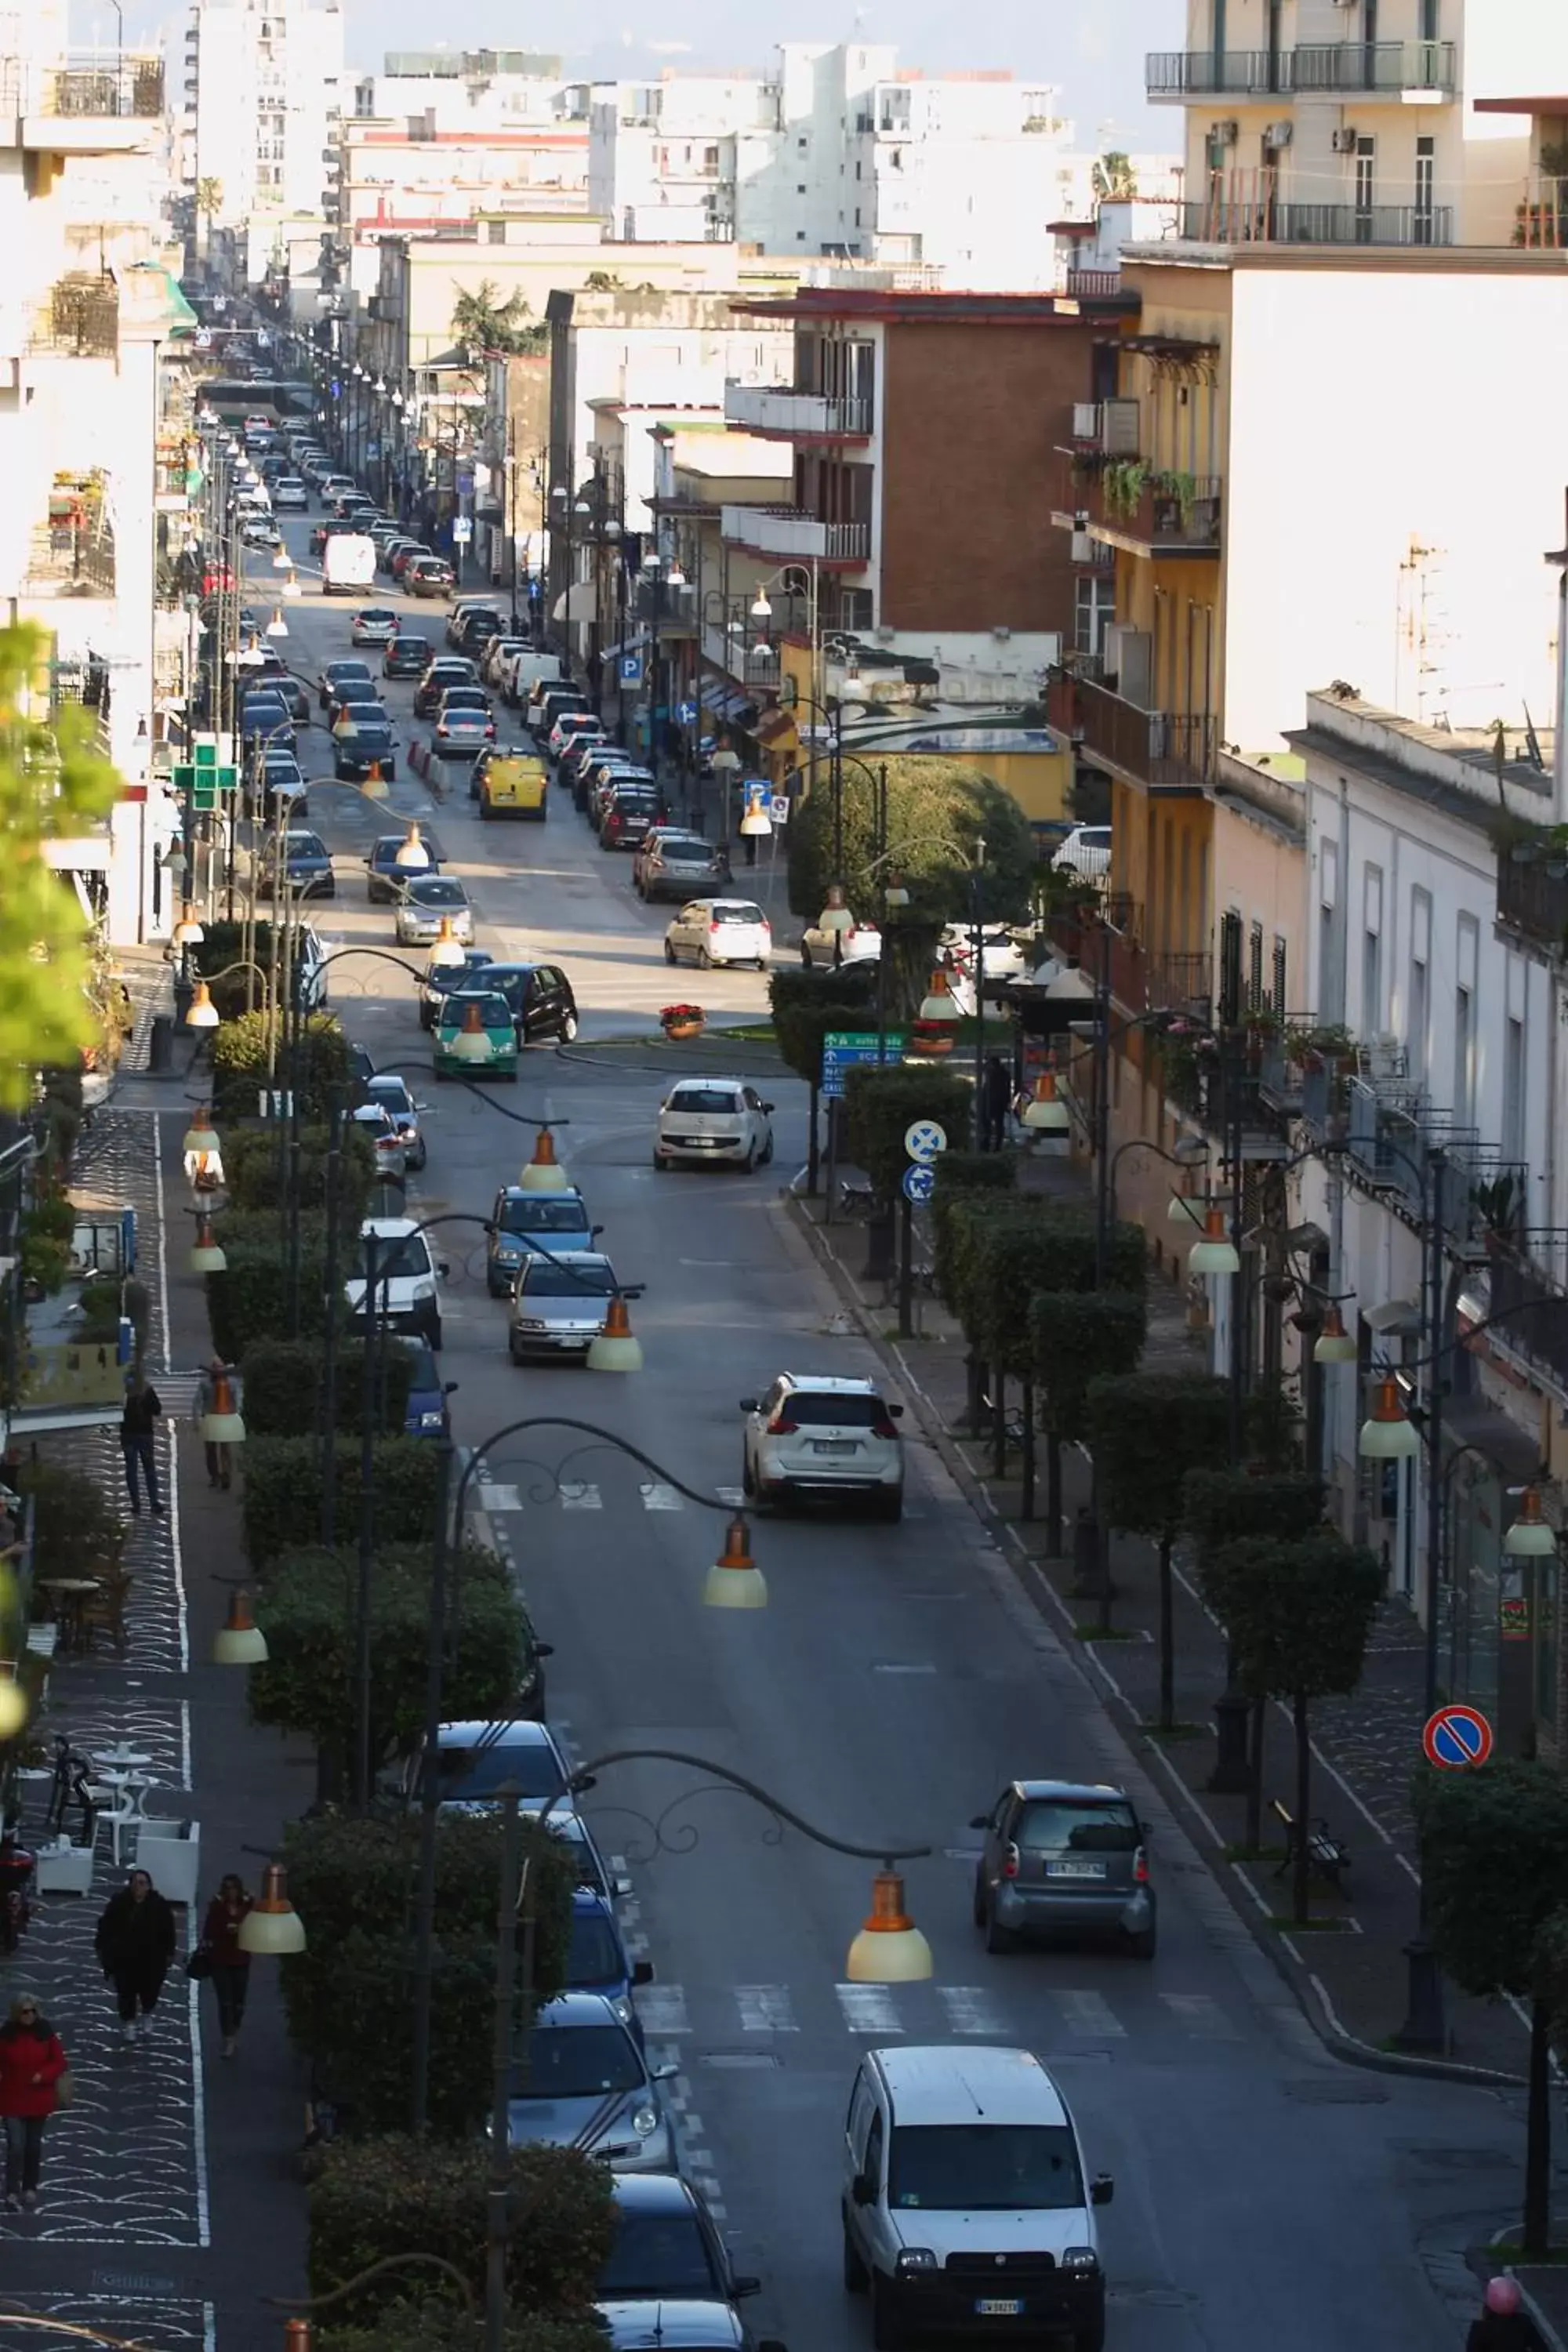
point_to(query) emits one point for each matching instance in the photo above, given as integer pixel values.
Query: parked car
(381, 1131)
(464, 1017)
(568, 725)
(720, 931)
(290, 492)
(266, 718)
(540, 997)
(372, 625)
(585, 2083)
(405, 657)
(723, 1121)
(446, 671)
(540, 1223)
(476, 1758)
(463, 722)
(427, 902)
(667, 2264)
(440, 979)
(403, 555)
(497, 654)
(1064, 1857)
(388, 548)
(396, 1097)
(407, 1279)
(862, 944)
(282, 779)
(670, 863)
(547, 700)
(816, 1434)
(631, 811)
(607, 776)
(427, 1414)
(462, 611)
(597, 1960)
(260, 531)
(1085, 851)
(476, 628)
(385, 876)
(558, 1304)
(307, 867)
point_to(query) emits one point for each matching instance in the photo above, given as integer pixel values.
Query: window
(800, 144)
(800, 187)
(1425, 167)
(1418, 1014)
(1230, 967)
(1094, 609)
(1255, 969)
(1330, 959)
(1464, 1021)
(1365, 164)
(1372, 951)
(1279, 998)
(1513, 1089)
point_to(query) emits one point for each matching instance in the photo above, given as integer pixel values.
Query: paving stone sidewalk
(1349, 1967)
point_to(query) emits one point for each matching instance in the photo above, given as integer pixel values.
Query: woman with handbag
(35, 2080)
(220, 1957)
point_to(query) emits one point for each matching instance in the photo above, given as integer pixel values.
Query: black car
(440, 980)
(449, 670)
(476, 628)
(539, 996)
(367, 742)
(407, 656)
(307, 867)
(266, 718)
(632, 811)
(668, 2259)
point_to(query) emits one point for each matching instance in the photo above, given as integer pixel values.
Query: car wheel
(668, 952)
(748, 1479)
(856, 2277)
(704, 961)
(768, 1148)
(892, 1507)
(749, 1161)
(886, 2335)
(1141, 1945)
(433, 1333)
(568, 1028)
(805, 955)
(512, 1350)
(997, 1938)
(1090, 2339)
(979, 1902)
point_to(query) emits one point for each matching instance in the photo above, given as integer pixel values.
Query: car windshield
(495, 1013)
(983, 2167)
(377, 614)
(393, 1094)
(339, 671)
(412, 648)
(538, 1212)
(594, 1956)
(699, 1098)
(1065, 1828)
(402, 1257)
(659, 2254)
(444, 977)
(853, 1409)
(737, 910)
(467, 1774)
(438, 891)
(542, 1280)
(464, 698)
(305, 845)
(578, 2062)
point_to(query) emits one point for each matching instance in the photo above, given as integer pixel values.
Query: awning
(774, 725)
(1394, 1317)
(628, 645)
(583, 600)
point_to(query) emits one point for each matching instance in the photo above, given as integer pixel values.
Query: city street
(898, 1677)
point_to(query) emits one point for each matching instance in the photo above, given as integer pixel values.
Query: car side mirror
(622, 1887)
(767, 1106)
(748, 1404)
(595, 1232)
(864, 2191)
(450, 1388)
(443, 1269)
(981, 1822)
(1102, 2188)
(741, 2287)
(642, 1973)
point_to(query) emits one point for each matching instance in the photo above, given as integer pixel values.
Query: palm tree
(482, 323)
(209, 201)
(1113, 176)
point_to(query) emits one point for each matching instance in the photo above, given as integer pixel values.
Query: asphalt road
(1265, 2195)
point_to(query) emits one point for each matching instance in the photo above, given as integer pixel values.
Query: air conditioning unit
(1224, 134)
(1086, 420)
(1279, 134)
(1344, 143)
(1082, 547)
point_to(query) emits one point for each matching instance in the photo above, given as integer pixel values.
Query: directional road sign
(1457, 1737)
(925, 1140)
(919, 1184)
(686, 713)
(843, 1049)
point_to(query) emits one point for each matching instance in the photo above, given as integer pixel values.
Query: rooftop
(1463, 771)
(946, 2084)
(936, 309)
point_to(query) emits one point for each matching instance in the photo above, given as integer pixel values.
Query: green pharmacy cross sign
(210, 772)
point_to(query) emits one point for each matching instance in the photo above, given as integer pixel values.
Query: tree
(938, 812)
(244, 1062)
(883, 1103)
(482, 323)
(806, 1005)
(1076, 1337)
(1148, 1430)
(209, 203)
(1298, 1614)
(1114, 177)
(52, 785)
(1494, 1873)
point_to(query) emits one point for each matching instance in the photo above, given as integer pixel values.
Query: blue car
(428, 1414)
(596, 1958)
(523, 1221)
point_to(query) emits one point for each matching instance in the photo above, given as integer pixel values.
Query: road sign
(919, 1184)
(778, 808)
(925, 1140)
(686, 713)
(1457, 1737)
(631, 669)
(462, 530)
(847, 1049)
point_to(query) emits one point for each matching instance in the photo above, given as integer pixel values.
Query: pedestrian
(220, 1458)
(1502, 2327)
(31, 2064)
(137, 1422)
(227, 1964)
(996, 1096)
(135, 1944)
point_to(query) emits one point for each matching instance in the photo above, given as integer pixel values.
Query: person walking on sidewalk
(220, 1458)
(228, 1965)
(135, 1945)
(137, 1423)
(31, 2064)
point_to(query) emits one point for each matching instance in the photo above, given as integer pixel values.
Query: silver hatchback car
(1064, 1857)
(560, 1305)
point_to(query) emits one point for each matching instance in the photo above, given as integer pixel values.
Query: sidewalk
(171, 2207)
(1349, 1969)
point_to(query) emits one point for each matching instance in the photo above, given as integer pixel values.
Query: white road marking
(733, 1496)
(499, 1498)
(867, 2009)
(971, 2009)
(662, 2009)
(1091, 2016)
(657, 1496)
(1201, 2015)
(577, 1496)
(765, 2008)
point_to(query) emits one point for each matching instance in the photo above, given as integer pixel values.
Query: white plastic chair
(113, 1810)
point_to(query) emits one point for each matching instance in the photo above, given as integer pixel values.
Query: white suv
(408, 1289)
(814, 1434)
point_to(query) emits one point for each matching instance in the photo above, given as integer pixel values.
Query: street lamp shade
(761, 608)
(188, 932)
(446, 953)
(852, 683)
(615, 1348)
(836, 916)
(471, 1044)
(544, 1172)
(1333, 1344)
(756, 824)
(890, 1949)
(375, 787)
(201, 1012)
(734, 1580)
(1048, 1114)
(412, 858)
(1185, 1209)
(1216, 1253)
(278, 627)
(937, 1005)
(895, 896)
(272, 1928)
(201, 1135)
(291, 584)
(1388, 1433)
(221, 1423)
(1071, 985)
(280, 558)
(240, 1642)
(1530, 1536)
(208, 1256)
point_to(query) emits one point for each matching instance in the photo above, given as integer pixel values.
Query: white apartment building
(468, 89)
(411, 175)
(263, 83)
(1359, 121)
(837, 152)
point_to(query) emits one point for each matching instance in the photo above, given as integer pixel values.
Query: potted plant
(681, 1021)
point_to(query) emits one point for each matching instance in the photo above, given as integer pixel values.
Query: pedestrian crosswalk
(584, 1494)
(1062, 2018)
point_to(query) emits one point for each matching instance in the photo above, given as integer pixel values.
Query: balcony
(72, 552)
(1258, 217)
(1139, 981)
(1152, 511)
(1529, 1313)
(1160, 749)
(779, 410)
(1540, 217)
(69, 108)
(787, 533)
(1316, 66)
(674, 609)
(1532, 893)
(736, 651)
(80, 318)
(1391, 1134)
(1103, 428)
(1093, 285)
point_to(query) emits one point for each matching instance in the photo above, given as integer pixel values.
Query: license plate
(833, 1445)
(1075, 1870)
(999, 2307)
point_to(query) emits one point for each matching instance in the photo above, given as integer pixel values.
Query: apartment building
(263, 83)
(412, 176)
(1353, 122)
(468, 89)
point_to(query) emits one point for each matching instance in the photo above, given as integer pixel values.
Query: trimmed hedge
(282, 1506)
(806, 1005)
(251, 1166)
(283, 1381)
(240, 1057)
(1077, 1337)
(425, 2327)
(883, 1103)
(248, 1301)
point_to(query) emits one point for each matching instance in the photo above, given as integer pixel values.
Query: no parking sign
(1456, 1738)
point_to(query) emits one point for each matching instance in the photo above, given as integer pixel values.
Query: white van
(522, 671)
(966, 2208)
(407, 1279)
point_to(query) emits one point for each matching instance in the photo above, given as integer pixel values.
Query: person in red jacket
(229, 1966)
(31, 2064)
